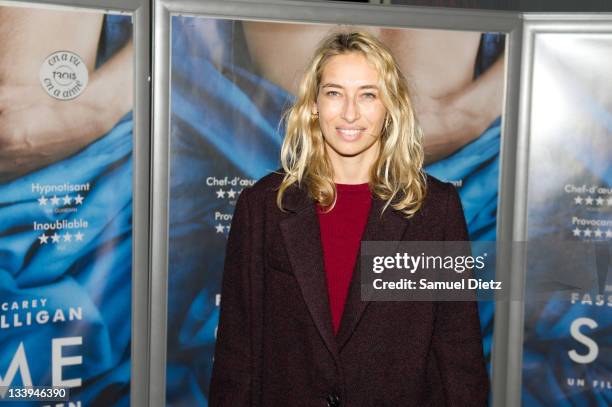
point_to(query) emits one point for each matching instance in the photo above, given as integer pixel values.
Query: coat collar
(301, 234)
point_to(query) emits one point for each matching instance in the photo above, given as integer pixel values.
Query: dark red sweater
(341, 231)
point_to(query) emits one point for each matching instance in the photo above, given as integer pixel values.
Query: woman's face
(351, 113)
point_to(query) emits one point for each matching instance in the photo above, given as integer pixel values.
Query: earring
(314, 116)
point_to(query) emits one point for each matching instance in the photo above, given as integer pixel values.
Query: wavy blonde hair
(397, 176)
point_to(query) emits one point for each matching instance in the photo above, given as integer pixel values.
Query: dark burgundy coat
(275, 343)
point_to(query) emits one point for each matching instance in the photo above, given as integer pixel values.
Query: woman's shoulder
(264, 187)
(267, 184)
(438, 196)
(436, 187)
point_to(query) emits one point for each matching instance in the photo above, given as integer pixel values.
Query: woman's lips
(349, 134)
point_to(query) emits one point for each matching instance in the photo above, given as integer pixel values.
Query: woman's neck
(352, 170)
(351, 176)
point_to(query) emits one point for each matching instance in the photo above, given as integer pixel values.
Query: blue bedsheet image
(93, 274)
(225, 122)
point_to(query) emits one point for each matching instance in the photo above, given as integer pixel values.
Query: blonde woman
(293, 329)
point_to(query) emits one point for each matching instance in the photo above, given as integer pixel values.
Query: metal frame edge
(141, 218)
(160, 129)
(509, 166)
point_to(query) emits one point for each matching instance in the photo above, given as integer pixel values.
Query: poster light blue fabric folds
(93, 274)
(225, 121)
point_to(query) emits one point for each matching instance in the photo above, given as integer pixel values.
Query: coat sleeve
(234, 374)
(457, 338)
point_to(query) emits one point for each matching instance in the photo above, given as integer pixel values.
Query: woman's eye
(369, 95)
(332, 93)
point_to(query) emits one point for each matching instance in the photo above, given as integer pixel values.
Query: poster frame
(533, 25)
(140, 276)
(509, 23)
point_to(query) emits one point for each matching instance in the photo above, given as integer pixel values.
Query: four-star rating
(592, 200)
(61, 238)
(61, 200)
(592, 233)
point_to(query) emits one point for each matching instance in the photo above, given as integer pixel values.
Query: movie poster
(231, 81)
(66, 86)
(567, 357)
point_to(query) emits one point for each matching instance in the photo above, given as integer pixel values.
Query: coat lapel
(302, 237)
(301, 234)
(390, 226)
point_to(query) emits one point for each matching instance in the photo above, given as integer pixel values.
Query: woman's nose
(351, 110)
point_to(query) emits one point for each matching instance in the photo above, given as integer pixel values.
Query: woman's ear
(314, 110)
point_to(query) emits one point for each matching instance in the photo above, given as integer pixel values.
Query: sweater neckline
(353, 187)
